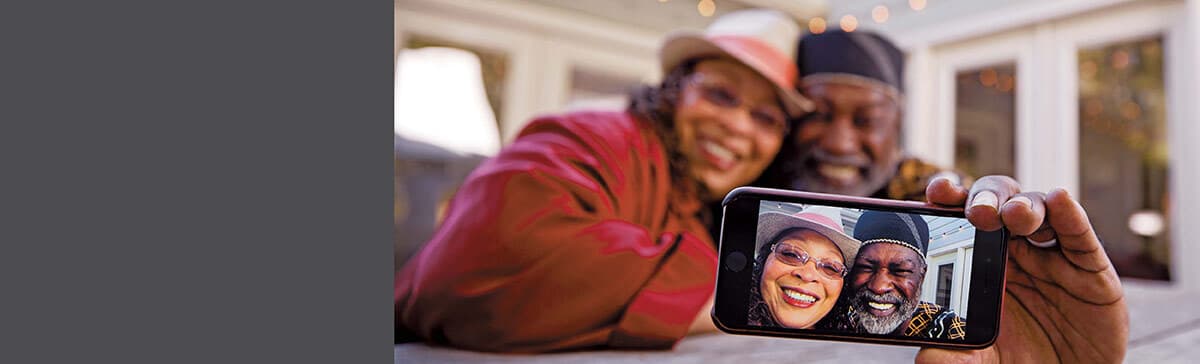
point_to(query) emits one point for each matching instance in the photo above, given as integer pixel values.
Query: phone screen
(906, 273)
(841, 269)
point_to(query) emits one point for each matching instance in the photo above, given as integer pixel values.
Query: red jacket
(572, 237)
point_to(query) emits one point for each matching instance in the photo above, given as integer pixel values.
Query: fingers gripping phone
(830, 267)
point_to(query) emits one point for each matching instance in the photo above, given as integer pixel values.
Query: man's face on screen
(885, 284)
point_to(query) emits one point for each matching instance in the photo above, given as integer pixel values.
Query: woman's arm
(539, 253)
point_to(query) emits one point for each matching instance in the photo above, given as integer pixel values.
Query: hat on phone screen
(762, 39)
(825, 220)
(908, 230)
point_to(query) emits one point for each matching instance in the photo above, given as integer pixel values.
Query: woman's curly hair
(656, 104)
(759, 314)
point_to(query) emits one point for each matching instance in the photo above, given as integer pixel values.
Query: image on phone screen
(860, 271)
(816, 266)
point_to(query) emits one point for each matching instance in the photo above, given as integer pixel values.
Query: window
(598, 90)
(1123, 153)
(945, 278)
(985, 119)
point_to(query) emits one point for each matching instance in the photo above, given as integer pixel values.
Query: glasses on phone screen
(796, 257)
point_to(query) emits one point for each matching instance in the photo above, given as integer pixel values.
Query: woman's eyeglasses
(796, 257)
(770, 119)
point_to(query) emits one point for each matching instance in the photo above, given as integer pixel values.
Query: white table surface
(1164, 328)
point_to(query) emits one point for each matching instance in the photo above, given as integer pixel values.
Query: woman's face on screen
(800, 295)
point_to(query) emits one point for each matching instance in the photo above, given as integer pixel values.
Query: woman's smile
(798, 297)
(718, 155)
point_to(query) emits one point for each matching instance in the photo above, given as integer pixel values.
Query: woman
(799, 267)
(586, 231)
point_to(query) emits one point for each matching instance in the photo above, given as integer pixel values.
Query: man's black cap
(861, 53)
(909, 230)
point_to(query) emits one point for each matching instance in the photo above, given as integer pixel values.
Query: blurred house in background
(1088, 95)
(1099, 96)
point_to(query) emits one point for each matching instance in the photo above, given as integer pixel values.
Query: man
(884, 284)
(850, 144)
(1063, 300)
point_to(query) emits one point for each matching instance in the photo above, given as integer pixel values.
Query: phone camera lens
(735, 261)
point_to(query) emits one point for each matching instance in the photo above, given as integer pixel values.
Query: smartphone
(830, 267)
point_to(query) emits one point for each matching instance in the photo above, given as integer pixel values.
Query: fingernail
(1021, 200)
(1043, 244)
(985, 198)
(950, 178)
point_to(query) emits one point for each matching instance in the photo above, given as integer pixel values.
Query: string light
(879, 14)
(1131, 110)
(917, 5)
(849, 23)
(1120, 59)
(1093, 107)
(706, 8)
(987, 77)
(1006, 84)
(816, 25)
(1088, 69)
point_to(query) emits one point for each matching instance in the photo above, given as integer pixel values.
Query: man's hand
(1062, 302)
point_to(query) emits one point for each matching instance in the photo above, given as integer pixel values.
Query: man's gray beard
(880, 325)
(809, 180)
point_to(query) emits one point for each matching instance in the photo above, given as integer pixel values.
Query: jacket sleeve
(540, 252)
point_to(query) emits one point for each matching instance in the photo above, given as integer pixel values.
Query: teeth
(717, 150)
(881, 306)
(841, 172)
(799, 296)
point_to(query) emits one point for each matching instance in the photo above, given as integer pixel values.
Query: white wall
(543, 44)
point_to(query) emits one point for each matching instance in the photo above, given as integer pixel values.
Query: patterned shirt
(928, 321)
(911, 178)
(935, 322)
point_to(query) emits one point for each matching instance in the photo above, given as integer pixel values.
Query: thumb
(931, 355)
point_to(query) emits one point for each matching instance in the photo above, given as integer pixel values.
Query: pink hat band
(820, 219)
(767, 60)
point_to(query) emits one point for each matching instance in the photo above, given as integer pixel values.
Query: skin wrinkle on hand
(1034, 280)
(1046, 286)
(1068, 239)
(1042, 266)
(1055, 340)
(1067, 323)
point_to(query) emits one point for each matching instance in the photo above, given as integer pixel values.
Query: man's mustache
(865, 295)
(819, 155)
